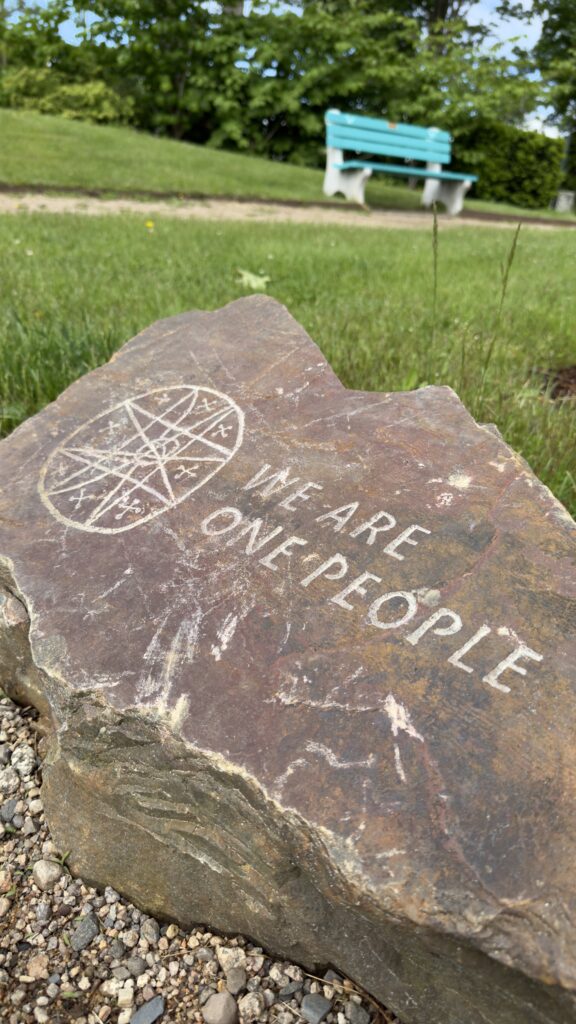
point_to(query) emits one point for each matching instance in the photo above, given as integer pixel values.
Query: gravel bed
(71, 953)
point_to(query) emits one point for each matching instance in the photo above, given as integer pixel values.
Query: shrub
(46, 91)
(514, 166)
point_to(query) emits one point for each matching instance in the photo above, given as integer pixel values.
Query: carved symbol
(183, 472)
(221, 431)
(140, 458)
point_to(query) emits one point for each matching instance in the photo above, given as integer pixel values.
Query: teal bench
(360, 135)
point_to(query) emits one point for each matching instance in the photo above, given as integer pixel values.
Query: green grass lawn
(36, 149)
(75, 288)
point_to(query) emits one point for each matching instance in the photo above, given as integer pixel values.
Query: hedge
(514, 166)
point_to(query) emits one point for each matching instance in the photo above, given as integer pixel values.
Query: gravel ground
(231, 210)
(71, 953)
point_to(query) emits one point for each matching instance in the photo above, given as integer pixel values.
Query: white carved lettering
(511, 662)
(301, 494)
(340, 516)
(355, 587)
(268, 483)
(454, 625)
(403, 538)
(252, 531)
(323, 570)
(282, 549)
(455, 659)
(373, 529)
(404, 595)
(230, 513)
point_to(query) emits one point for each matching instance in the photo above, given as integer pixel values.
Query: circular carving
(140, 458)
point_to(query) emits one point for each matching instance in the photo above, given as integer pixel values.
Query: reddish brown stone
(248, 728)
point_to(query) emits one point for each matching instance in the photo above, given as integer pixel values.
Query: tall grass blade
(434, 290)
(505, 276)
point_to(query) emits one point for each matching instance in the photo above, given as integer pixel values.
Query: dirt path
(230, 210)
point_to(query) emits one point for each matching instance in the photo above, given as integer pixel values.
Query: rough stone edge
(411, 947)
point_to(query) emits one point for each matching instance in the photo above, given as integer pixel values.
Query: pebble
(5, 905)
(251, 1006)
(84, 933)
(236, 979)
(290, 990)
(38, 966)
(8, 810)
(136, 966)
(315, 1007)
(355, 1013)
(46, 873)
(9, 780)
(278, 975)
(229, 957)
(150, 930)
(220, 1008)
(204, 954)
(125, 998)
(150, 1012)
(117, 949)
(23, 760)
(130, 938)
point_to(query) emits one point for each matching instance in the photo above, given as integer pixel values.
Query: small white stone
(46, 874)
(230, 956)
(124, 1016)
(9, 781)
(125, 998)
(278, 975)
(110, 987)
(23, 760)
(251, 1006)
(294, 973)
(129, 938)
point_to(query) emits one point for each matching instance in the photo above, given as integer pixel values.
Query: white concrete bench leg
(450, 193)
(350, 183)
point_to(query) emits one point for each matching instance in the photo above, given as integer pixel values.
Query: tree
(179, 60)
(39, 71)
(555, 58)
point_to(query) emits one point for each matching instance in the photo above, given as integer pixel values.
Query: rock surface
(305, 658)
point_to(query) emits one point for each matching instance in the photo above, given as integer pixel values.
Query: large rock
(307, 662)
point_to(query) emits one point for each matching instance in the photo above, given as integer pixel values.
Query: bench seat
(407, 172)
(355, 134)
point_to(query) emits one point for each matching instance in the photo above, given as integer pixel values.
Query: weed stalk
(505, 269)
(434, 290)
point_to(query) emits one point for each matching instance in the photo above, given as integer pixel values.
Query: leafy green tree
(180, 62)
(554, 56)
(39, 71)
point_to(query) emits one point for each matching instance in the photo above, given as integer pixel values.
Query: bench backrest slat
(372, 135)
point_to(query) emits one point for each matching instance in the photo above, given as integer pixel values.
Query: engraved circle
(140, 458)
